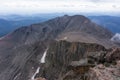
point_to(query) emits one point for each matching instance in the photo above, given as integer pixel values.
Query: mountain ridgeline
(22, 50)
(9, 23)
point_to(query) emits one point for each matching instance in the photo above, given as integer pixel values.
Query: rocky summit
(63, 48)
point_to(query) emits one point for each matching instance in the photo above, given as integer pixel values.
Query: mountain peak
(76, 17)
(79, 16)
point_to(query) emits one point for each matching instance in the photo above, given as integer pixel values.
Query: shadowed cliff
(79, 61)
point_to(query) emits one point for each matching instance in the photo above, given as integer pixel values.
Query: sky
(59, 6)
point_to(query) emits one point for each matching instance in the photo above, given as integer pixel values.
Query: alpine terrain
(63, 48)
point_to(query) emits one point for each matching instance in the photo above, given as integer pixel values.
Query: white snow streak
(116, 37)
(42, 61)
(2, 37)
(65, 38)
(37, 71)
(43, 57)
(16, 76)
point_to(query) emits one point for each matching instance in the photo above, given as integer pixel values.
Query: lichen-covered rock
(113, 55)
(97, 57)
(40, 78)
(100, 72)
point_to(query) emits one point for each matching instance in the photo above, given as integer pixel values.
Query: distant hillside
(5, 27)
(9, 23)
(110, 22)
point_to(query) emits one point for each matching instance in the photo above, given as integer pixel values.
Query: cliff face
(77, 61)
(61, 54)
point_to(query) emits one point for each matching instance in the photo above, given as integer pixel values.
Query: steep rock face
(76, 61)
(62, 53)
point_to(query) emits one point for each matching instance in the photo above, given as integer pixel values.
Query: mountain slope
(21, 50)
(3, 25)
(82, 29)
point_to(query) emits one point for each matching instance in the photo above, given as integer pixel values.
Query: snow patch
(65, 38)
(2, 37)
(16, 76)
(43, 57)
(37, 71)
(42, 61)
(116, 37)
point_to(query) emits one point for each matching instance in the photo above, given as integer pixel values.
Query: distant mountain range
(110, 22)
(5, 27)
(9, 23)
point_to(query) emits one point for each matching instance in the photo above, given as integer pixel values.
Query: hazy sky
(50, 6)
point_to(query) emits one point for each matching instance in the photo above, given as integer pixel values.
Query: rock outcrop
(40, 78)
(100, 72)
(64, 57)
(113, 55)
(79, 61)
